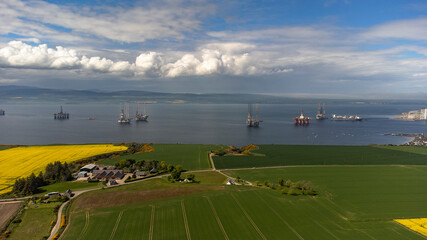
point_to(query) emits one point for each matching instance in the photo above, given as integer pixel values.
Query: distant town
(414, 115)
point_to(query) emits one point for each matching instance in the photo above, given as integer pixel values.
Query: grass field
(282, 155)
(357, 202)
(64, 186)
(190, 156)
(35, 222)
(22, 161)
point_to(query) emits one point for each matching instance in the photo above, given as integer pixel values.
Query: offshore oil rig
(302, 120)
(321, 112)
(1, 112)
(253, 122)
(61, 115)
(124, 115)
(140, 116)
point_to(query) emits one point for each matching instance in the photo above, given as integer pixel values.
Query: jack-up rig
(140, 117)
(61, 115)
(302, 120)
(321, 112)
(253, 122)
(124, 114)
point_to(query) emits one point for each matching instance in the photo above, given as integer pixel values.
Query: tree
(281, 182)
(288, 183)
(191, 177)
(176, 173)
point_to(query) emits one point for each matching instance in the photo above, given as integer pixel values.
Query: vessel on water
(251, 121)
(321, 112)
(61, 115)
(302, 120)
(1, 112)
(141, 117)
(346, 118)
(124, 115)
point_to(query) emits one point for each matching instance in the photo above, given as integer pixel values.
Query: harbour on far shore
(33, 124)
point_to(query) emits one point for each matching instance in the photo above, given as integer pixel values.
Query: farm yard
(22, 161)
(190, 156)
(286, 155)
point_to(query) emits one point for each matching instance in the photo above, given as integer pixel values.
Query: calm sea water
(205, 123)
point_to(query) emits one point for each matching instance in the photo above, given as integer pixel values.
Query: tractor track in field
(86, 225)
(280, 217)
(184, 215)
(217, 218)
(248, 217)
(150, 236)
(116, 225)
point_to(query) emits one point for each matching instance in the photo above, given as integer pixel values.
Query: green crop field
(282, 155)
(35, 222)
(190, 156)
(353, 203)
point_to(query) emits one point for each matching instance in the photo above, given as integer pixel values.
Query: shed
(154, 170)
(88, 168)
(82, 174)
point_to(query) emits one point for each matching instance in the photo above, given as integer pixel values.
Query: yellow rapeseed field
(22, 161)
(417, 224)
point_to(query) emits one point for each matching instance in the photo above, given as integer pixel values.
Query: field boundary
(116, 225)
(217, 218)
(248, 217)
(184, 215)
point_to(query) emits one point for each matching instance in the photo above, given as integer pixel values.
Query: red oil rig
(302, 120)
(61, 115)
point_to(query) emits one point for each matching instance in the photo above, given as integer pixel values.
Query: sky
(287, 47)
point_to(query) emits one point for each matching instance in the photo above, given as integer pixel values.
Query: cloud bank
(207, 61)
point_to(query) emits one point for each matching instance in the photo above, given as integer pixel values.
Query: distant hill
(21, 94)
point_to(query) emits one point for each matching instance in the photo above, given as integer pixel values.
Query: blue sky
(289, 47)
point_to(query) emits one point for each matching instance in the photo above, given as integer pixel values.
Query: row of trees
(290, 188)
(131, 165)
(54, 172)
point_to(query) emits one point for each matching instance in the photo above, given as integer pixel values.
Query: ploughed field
(22, 161)
(287, 155)
(358, 202)
(7, 210)
(190, 156)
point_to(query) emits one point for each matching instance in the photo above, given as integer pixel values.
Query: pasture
(285, 155)
(354, 202)
(190, 156)
(35, 222)
(22, 161)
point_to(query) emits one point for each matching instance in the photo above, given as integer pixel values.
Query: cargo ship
(321, 112)
(302, 120)
(346, 118)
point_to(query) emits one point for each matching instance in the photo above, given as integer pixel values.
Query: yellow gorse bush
(22, 161)
(416, 224)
